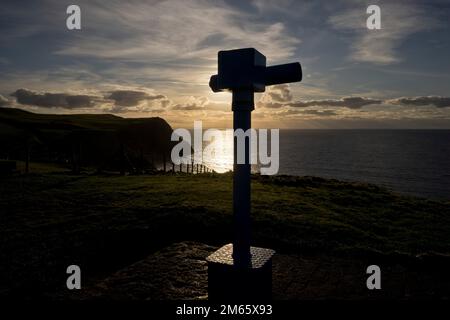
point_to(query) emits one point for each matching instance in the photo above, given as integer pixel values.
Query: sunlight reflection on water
(221, 159)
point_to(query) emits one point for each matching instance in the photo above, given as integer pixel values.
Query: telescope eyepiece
(214, 83)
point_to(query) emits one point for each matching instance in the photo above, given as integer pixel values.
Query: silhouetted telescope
(244, 72)
(240, 266)
(245, 69)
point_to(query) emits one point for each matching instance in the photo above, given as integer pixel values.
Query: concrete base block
(227, 282)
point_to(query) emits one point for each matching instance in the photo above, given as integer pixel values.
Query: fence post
(164, 162)
(27, 156)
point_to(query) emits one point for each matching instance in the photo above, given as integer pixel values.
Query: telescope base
(226, 282)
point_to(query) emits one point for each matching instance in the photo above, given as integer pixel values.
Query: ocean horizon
(409, 161)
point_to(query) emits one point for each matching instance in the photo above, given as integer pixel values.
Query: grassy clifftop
(53, 219)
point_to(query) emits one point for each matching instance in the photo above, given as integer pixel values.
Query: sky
(154, 58)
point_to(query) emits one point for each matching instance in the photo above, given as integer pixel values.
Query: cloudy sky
(154, 58)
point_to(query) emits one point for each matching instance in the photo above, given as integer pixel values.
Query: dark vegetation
(51, 219)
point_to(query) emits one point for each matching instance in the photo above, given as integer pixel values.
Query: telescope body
(245, 69)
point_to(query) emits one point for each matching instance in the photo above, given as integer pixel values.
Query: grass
(50, 219)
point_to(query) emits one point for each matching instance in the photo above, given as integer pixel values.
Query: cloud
(321, 113)
(347, 102)
(438, 102)
(192, 104)
(280, 96)
(130, 98)
(79, 101)
(3, 101)
(118, 100)
(398, 21)
(272, 105)
(53, 100)
(171, 30)
(280, 93)
(4, 61)
(276, 97)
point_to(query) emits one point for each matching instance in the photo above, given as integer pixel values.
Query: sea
(414, 162)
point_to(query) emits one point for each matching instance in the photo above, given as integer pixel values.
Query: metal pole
(243, 105)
